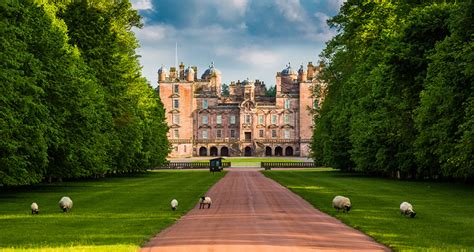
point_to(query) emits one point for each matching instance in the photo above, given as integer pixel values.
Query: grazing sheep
(203, 201)
(174, 204)
(407, 209)
(34, 208)
(65, 204)
(341, 202)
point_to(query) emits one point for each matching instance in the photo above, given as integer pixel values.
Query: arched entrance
(213, 151)
(268, 151)
(203, 151)
(248, 151)
(289, 151)
(278, 151)
(225, 151)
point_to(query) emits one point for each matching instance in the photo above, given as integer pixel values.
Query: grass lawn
(444, 220)
(114, 214)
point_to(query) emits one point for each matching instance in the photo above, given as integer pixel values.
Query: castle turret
(232, 89)
(162, 73)
(311, 69)
(302, 75)
(181, 71)
(189, 74)
(173, 75)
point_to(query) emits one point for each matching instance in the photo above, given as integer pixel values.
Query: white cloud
(142, 4)
(231, 9)
(154, 33)
(335, 5)
(291, 10)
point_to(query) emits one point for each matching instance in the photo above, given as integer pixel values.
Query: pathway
(253, 213)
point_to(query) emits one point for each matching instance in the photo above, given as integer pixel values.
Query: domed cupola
(211, 71)
(162, 73)
(162, 69)
(288, 71)
(246, 82)
(301, 70)
(189, 73)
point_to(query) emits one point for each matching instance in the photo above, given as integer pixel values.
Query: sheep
(34, 208)
(407, 209)
(341, 202)
(65, 204)
(203, 201)
(174, 204)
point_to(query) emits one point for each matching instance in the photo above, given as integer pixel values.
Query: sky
(251, 39)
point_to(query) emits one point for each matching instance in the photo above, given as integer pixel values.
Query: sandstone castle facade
(245, 123)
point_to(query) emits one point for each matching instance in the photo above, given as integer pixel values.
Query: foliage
(271, 92)
(73, 102)
(383, 60)
(375, 207)
(225, 90)
(112, 214)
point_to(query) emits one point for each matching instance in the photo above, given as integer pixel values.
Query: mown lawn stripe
(444, 218)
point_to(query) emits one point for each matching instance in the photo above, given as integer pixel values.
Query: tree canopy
(73, 100)
(399, 98)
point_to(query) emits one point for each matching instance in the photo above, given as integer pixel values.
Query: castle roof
(210, 72)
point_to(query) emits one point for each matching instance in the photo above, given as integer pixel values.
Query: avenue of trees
(73, 102)
(400, 98)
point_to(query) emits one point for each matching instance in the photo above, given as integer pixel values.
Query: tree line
(400, 98)
(73, 102)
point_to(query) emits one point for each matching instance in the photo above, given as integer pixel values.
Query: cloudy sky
(244, 38)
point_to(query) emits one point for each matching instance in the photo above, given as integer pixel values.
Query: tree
(225, 90)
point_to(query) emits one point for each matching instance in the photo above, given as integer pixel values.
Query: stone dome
(189, 71)
(288, 70)
(162, 69)
(210, 71)
(301, 70)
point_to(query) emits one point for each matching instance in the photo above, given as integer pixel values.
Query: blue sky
(244, 38)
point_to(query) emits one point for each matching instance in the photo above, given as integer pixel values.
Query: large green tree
(385, 54)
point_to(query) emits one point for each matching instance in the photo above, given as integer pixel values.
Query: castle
(203, 122)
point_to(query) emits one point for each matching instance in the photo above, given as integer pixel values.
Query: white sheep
(174, 204)
(203, 201)
(34, 208)
(407, 209)
(341, 202)
(65, 204)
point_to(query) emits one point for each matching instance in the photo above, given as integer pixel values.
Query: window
(219, 133)
(274, 133)
(176, 134)
(315, 104)
(232, 119)
(204, 119)
(232, 133)
(260, 119)
(175, 103)
(287, 134)
(248, 136)
(274, 119)
(260, 133)
(247, 119)
(219, 119)
(286, 118)
(175, 118)
(176, 148)
(287, 104)
(204, 134)
(176, 89)
(204, 104)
